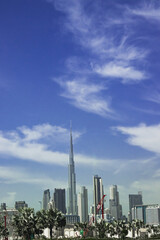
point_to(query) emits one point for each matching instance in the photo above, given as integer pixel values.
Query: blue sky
(95, 63)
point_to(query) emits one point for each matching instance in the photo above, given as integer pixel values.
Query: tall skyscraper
(60, 200)
(83, 205)
(46, 199)
(71, 191)
(114, 205)
(97, 191)
(134, 199)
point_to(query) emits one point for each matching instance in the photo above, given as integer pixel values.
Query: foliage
(24, 223)
(27, 224)
(3, 230)
(54, 219)
(102, 228)
(83, 227)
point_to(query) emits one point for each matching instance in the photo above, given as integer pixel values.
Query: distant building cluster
(76, 208)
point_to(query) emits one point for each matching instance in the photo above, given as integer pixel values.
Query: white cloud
(96, 34)
(26, 143)
(154, 97)
(118, 70)
(14, 145)
(46, 130)
(15, 175)
(146, 137)
(149, 12)
(87, 96)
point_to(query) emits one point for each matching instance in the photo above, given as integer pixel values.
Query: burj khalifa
(71, 191)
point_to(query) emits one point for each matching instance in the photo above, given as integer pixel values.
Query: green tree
(102, 228)
(54, 219)
(82, 227)
(41, 222)
(24, 223)
(122, 229)
(3, 229)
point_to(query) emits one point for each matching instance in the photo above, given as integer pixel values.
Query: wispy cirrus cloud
(149, 11)
(97, 35)
(154, 97)
(86, 96)
(146, 137)
(110, 52)
(15, 175)
(120, 70)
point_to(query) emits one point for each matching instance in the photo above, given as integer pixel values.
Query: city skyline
(95, 63)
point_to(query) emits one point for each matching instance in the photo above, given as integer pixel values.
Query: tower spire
(71, 193)
(71, 160)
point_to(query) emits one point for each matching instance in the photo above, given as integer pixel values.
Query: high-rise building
(149, 214)
(153, 215)
(114, 205)
(60, 200)
(71, 191)
(46, 199)
(20, 204)
(83, 205)
(3, 206)
(134, 199)
(97, 191)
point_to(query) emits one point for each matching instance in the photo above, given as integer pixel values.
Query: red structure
(99, 206)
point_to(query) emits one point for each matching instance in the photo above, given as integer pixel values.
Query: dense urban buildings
(3, 206)
(46, 199)
(83, 204)
(149, 214)
(20, 204)
(134, 199)
(97, 192)
(60, 200)
(153, 215)
(114, 204)
(71, 191)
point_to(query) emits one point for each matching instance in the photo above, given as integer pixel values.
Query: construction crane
(99, 206)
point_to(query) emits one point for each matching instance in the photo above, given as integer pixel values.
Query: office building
(20, 204)
(46, 199)
(97, 192)
(146, 213)
(153, 215)
(83, 205)
(72, 219)
(3, 206)
(71, 191)
(134, 199)
(60, 200)
(114, 204)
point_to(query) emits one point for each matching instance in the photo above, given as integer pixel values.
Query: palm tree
(54, 218)
(102, 228)
(24, 223)
(41, 222)
(122, 229)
